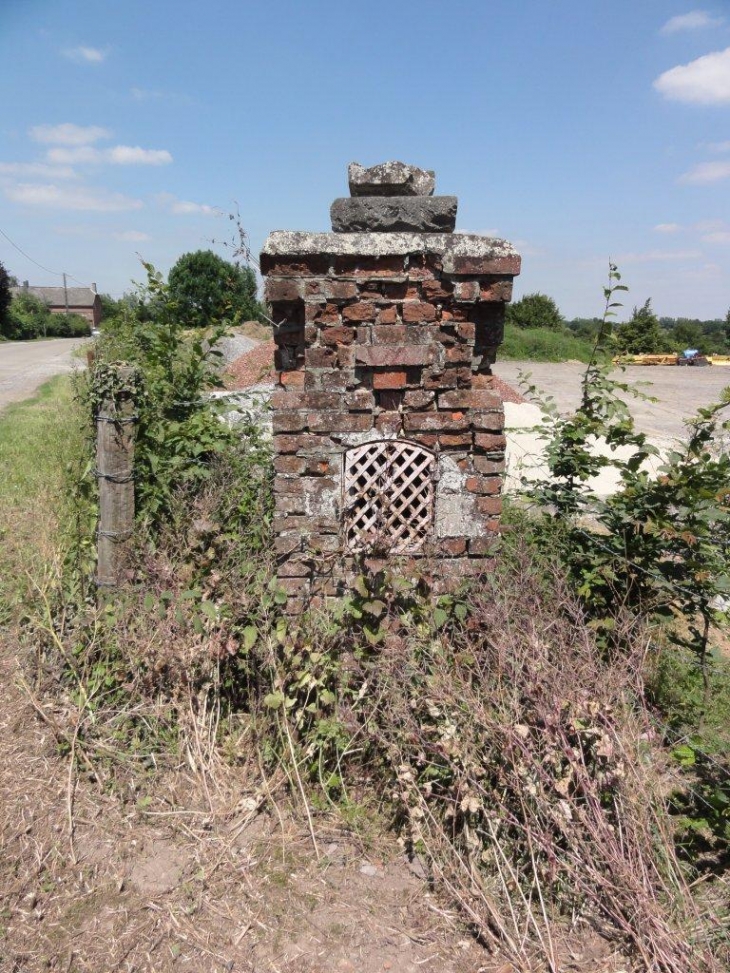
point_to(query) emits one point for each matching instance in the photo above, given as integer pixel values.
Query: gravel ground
(679, 391)
(235, 346)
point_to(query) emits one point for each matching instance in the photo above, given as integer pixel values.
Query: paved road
(26, 365)
(679, 391)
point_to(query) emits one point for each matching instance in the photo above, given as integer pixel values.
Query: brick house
(83, 301)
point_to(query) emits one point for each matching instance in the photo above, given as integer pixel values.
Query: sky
(580, 131)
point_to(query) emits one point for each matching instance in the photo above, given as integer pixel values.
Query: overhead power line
(55, 273)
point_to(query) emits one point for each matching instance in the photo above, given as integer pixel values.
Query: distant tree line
(202, 285)
(643, 333)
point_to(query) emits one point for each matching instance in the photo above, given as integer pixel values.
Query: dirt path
(146, 874)
(26, 365)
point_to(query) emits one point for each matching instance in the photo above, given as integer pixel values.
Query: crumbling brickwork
(388, 433)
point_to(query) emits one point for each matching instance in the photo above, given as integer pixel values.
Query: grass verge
(37, 437)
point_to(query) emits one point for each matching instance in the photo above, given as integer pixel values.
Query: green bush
(543, 344)
(29, 317)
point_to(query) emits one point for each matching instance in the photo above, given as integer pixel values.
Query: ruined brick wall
(384, 342)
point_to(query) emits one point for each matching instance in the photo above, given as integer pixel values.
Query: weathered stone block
(383, 356)
(418, 214)
(390, 179)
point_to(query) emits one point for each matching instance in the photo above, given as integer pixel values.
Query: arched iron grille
(388, 496)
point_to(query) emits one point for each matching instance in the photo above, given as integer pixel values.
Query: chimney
(25, 285)
(93, 287)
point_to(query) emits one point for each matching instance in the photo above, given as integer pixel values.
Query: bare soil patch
(146, 874)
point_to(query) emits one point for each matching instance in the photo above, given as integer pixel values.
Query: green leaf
(274, 700)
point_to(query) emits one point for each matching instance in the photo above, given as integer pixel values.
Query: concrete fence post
(115, 437)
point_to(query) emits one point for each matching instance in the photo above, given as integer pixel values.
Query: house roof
(56, 296)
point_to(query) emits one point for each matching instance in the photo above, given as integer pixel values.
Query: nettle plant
(658, 545)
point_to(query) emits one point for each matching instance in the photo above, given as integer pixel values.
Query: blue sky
(577, 130)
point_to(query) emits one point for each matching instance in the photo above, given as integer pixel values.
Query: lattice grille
(388, 496)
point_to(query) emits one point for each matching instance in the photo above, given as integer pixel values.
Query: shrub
(543, 344)
(208, 288)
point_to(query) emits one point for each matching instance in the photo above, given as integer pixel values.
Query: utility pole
(65, 292)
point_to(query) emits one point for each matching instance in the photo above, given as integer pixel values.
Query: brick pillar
(388, 432)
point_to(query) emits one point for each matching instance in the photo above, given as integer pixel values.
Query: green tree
(208, 288)
(535, 311)
(5, 298)
(642, 333)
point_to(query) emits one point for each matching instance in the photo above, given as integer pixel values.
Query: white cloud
(705, 81)
(131, 236)
(85, 55)
(118, 155)
(183, 207)
(718, 146)
(720, 236)
(666, 228)
(70, 198)
(651, 256)
(705, 173)
(710, 226)
(68, 134)
(133, 155)
(694, 20)
(38, 170)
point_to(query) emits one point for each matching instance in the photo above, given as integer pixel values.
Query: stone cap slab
(460, 253)
(390, 179)
(387, 214)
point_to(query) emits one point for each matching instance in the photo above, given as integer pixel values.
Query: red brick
(292, 379)
(340, 421)
(389, 423)
(487, 466)
(498, 290)
(360, 400)
(362, 311)
(329, 379)
(418, 399)
(337, 336)
(390, 334)
(482, 380)
(466, 290)
(415, 312)
(340, 290)
(368, 266)
(424, 266)
(488, 421)
(289, 421)
(388, 315)
(285, 400)
(470, 399)
(381, 356)
(480, 546)
(390, 380)
(485, 265)
(489, 442)
(277, 289)
(492, 506)
(452, 546)
(318, 467)
(294, 569)
(436, 290)
(287, 543)
(292, 465)
(453, 440)
(322, 313)
(466, 330)
(277, 266)
(486, 485)
(293, 443)
(458, 354)
(320, 358)
(452, 422)
(313, 288)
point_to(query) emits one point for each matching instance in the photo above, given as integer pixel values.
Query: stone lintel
(387, 214)
(461, 253)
